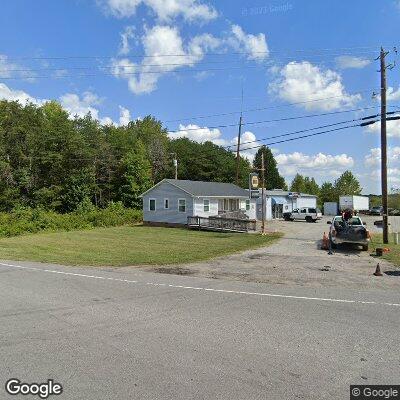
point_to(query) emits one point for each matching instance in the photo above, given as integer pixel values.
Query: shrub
(27, 220)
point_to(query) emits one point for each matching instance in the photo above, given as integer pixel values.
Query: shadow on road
(393, 273)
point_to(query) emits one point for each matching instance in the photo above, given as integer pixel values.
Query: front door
(277, 211)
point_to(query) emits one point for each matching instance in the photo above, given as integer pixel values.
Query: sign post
(253, 186)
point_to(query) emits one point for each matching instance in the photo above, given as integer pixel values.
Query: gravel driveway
(297, 260)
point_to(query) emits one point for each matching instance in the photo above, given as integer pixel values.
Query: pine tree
(298, 184)
(347, 184)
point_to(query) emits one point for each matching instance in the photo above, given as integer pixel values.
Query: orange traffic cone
(325, 242)
(378, 271)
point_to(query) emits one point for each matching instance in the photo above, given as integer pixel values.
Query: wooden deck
(221, 224)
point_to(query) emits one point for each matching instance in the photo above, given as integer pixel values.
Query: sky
(196, 65)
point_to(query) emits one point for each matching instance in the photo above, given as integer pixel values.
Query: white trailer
(354, 203)
(331, 208)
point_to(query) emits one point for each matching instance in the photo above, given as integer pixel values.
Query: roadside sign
(253, 186)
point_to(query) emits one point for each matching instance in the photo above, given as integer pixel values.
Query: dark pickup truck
(352, 231)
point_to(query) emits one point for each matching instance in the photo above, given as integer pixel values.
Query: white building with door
(172, 201)
(279, 201)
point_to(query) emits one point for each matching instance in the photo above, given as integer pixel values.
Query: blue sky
(181, 59)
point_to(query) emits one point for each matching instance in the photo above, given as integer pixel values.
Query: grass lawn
(128, 245)
(393, 255)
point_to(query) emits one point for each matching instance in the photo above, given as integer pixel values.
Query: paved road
(129, 334)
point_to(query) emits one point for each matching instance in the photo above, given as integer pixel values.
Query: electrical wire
(279, 106)
(275, 120)
(361, 49)
(301, 137)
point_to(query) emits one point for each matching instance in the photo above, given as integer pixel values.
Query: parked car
(376, 210)
(303, 214)
(352, 231)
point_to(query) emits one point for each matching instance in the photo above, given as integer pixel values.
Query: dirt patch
(175, 271)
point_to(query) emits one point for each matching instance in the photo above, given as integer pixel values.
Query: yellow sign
(254, 181)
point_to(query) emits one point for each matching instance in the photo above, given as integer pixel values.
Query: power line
(274, 107)
(319, 133)
(301, 137)
(296, 132)
(99, 67)
(127, 73)
(187, 63)
(273, 120)
(361, 49)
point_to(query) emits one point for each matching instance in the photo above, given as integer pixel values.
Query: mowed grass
(393, 255)
(128, 245)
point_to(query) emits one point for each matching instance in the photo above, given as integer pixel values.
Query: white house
(171, 201)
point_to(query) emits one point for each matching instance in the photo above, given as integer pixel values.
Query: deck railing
(222, 224)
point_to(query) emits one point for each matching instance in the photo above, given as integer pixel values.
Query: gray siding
(167, 191)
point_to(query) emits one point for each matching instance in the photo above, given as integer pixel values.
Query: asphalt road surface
(128, 334)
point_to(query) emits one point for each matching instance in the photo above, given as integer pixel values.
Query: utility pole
(262, 194)
(175, 161)
(384, 182)
(238, 150)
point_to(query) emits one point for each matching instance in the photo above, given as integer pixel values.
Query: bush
(27, 220)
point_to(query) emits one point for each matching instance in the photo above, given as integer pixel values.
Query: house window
(206, 205)
(166, 204)
(248, 205)
(152, 204)
(182, 205)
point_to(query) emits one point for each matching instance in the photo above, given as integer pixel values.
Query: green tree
(347, 184)
(207, 162)
(298, 184)
(136, 172)
(273, 180)
(311, 187)
(327, 193)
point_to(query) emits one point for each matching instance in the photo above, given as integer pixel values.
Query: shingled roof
(207, 189)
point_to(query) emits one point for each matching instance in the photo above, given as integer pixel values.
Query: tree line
(55, 162)
(52, 161)
(346, 184)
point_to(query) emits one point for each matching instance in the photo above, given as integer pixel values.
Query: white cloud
(393, 95)
(9, 94)
(392, 128)
(198, 134)
(158, 41)
(81, 106)
(373, 158)
(254, 45)
(71, 102)
(126, 35)
(304, 82)
(344, 62)
(164, 9)
(9, 69)
(392, 173)
(318, 164)
(247, 140)
(162, 40)
(124, 116)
